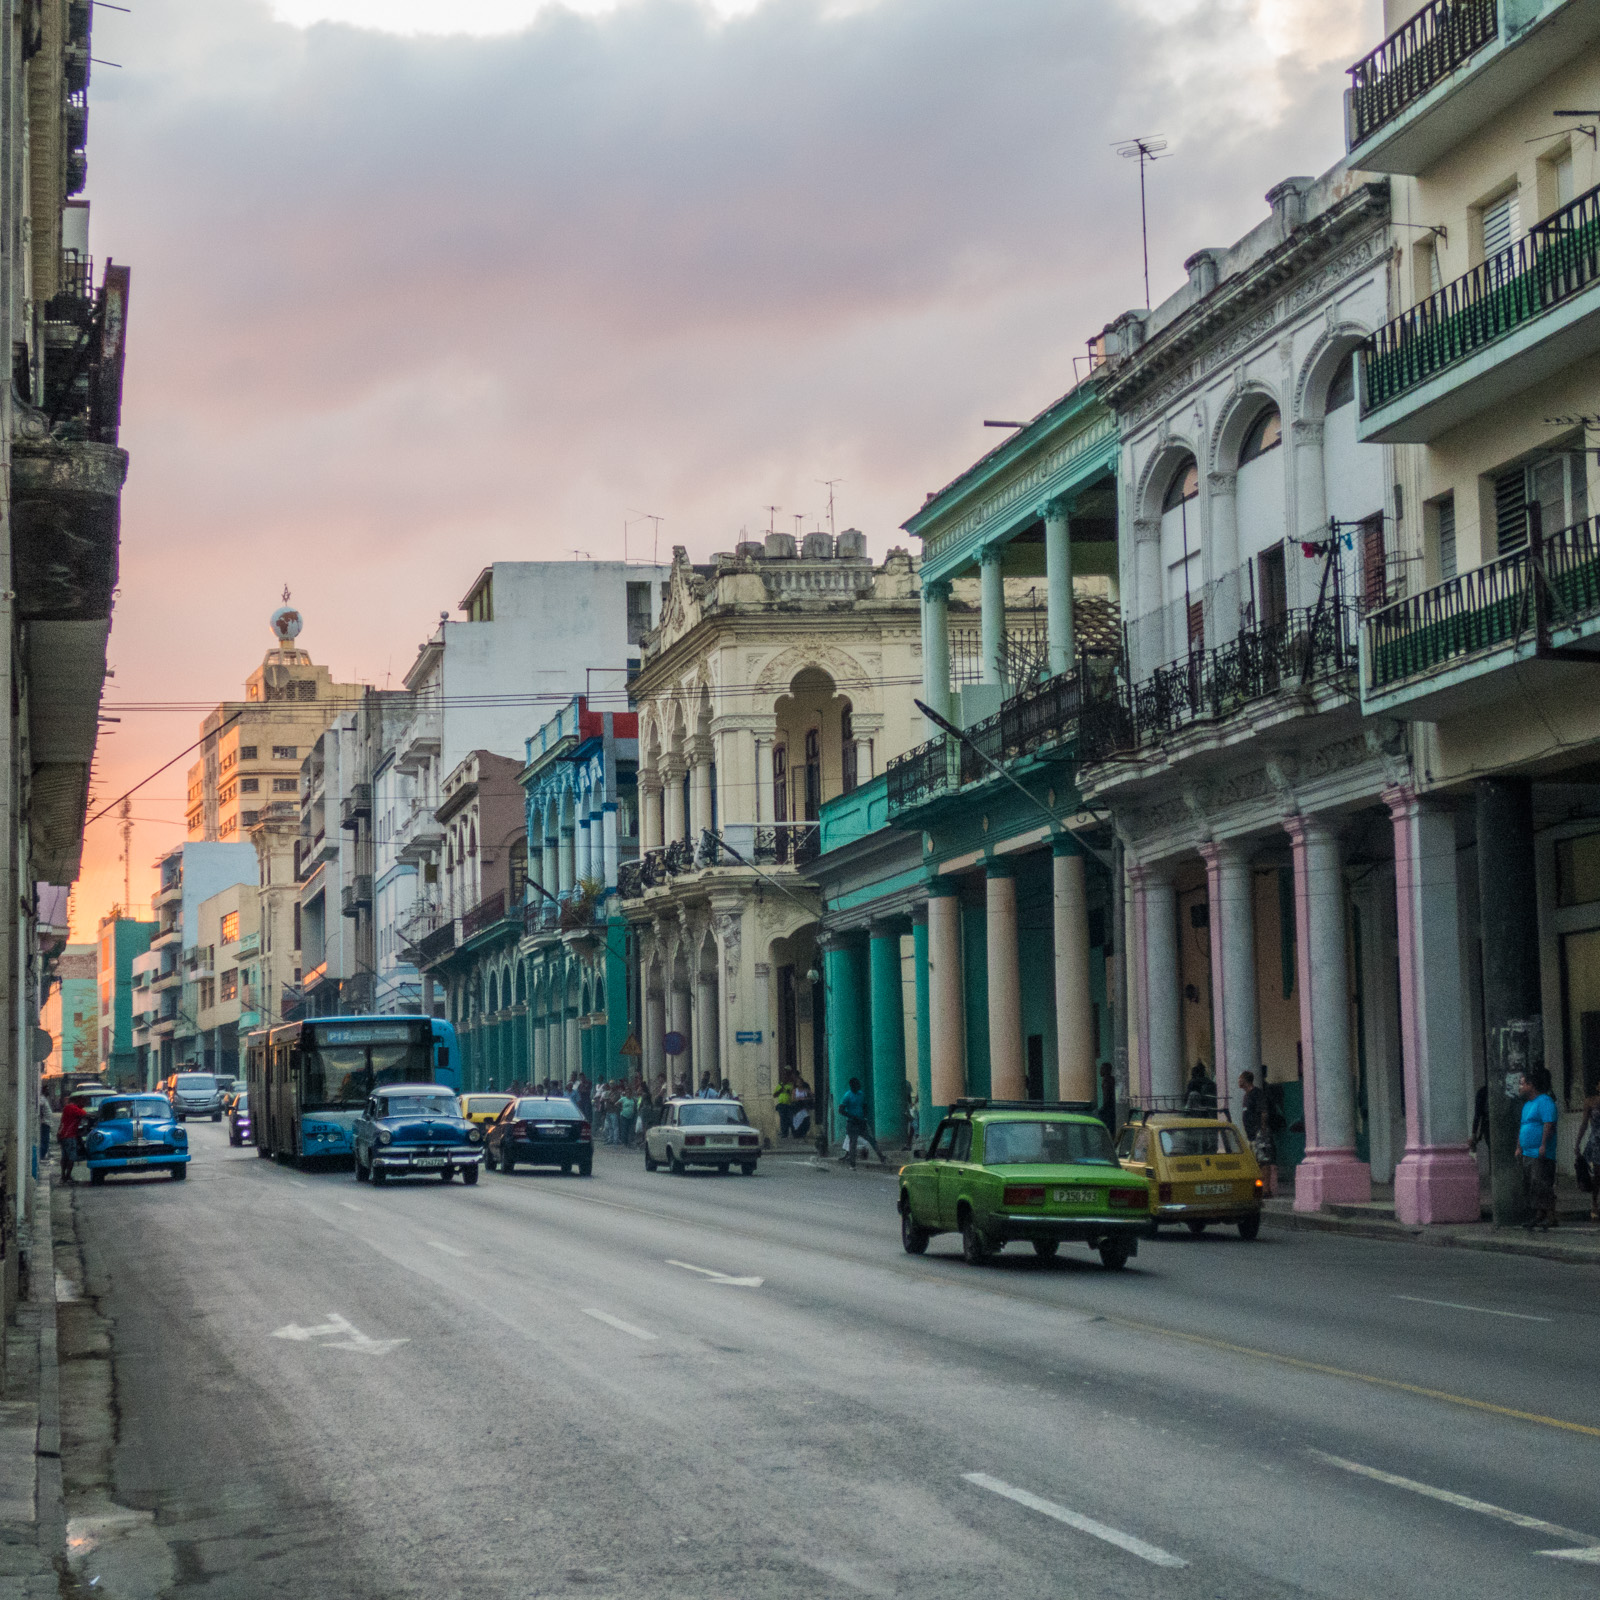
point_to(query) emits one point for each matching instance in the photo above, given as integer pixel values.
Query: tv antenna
(655, 534)
(1146, 148)
(772, 518)
(828, 484)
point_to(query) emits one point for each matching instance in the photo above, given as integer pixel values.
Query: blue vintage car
(416, 1130)
(135, 1133)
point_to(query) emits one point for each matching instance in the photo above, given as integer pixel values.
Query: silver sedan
(702, 1133)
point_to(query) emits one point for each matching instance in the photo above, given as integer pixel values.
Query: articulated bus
(309, 1080)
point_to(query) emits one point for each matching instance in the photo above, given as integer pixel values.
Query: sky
(419, 287)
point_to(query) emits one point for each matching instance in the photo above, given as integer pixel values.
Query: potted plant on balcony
(579, 911)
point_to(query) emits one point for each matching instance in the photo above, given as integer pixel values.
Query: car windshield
(1011, 1144)
(712, 1114)
(548, 1111)
(417, 1105)
(144, 1105)
(1213, 1141)
(195, 1083)
(480, 1105)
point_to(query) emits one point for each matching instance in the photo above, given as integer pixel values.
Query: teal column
(927, 1116)
(888, 1036)
(849, 1052)
(616, 1030)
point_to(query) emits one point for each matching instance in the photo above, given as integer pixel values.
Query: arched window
(1185, 485)
(1266, 433)
(493, 1000)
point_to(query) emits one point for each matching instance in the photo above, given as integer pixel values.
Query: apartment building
(122, 940)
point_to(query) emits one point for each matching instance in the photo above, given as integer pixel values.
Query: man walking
(73, 1117)
(853, 1108)
(1536, 1140)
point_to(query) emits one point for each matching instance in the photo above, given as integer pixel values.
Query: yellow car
(1201, 1170)
(484, 1108)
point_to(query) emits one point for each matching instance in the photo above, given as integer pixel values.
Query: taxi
(1002, 1170)
(484, 1108)
(1200, 1169)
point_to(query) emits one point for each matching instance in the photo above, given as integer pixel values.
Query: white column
(574, 1043)
(1330, 1170)
(672, 798)
(1236, 1041)
(1149, 648)
(763, 780)
(947, 1012)
(763, 972)
(1160, 1031)
(678, 1009)
(1058, 591)
(1310, 484)
(1008, 1075)
(992, 597)
(609, 845)
(650, 819)
(706, 1056)
(936, 649)
(1077, 1048)
(541, 1051)
(583, 852)
(863, 761)
(655, 1030)
(567, 860)
(699, 790)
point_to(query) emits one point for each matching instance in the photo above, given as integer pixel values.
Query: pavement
(742, 1387)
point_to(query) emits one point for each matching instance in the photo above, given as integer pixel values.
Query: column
(1008, 1075)
(555, 1028)
(610, 847)
(936, 649)
(699, 789)
(763, 972)
(763, 779)
(655, 1030)
(849, 1044)
(535, 859)
(1147, 648)
(567, 875)
(678, 1006)
(574, 1040)
(583, 858)
(706, 1056)
(1310, 482)
(1331, 1170)
(1236, 1041)
(863, 761)
(650, 819)
(926, 1117)
(672, 797)
(541, 1050)
(888, 1035)
(1437, 1179)
(1155, 915)
(1077, 1048)
(992, 598)
(1058, 596)
(947, 1011)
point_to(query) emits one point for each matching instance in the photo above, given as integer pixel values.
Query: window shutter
(1447, 538)
(1511, 511)
(1499, 224)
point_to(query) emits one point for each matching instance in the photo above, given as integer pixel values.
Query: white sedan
(702, 1133)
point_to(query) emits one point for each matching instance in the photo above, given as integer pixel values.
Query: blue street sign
(748, 1036)
(674, 1044)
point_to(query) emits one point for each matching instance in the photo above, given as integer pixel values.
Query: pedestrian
(627, 1110)
(726, 1091)
(1108, 1096)
(1200, 1097)
(913, 1115)
(1586, 1162)
(44, 1126)
(800, 1116)
(708, 1089)
(853, 1108)
(1536, 1142)
(783, 1099)
(73, 1117)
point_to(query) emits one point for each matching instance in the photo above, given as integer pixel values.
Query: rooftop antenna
(829, 483)
(772, 518)
(799, 526)
(1146, 148)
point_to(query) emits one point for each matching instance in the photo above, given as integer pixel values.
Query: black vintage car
(416, 1130)
(541, 1131)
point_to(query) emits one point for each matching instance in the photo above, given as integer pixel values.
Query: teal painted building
(972, 863)
(120, 940)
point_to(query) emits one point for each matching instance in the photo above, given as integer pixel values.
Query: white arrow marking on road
(1456, 1305)
(449, 1249)
(617, 1323)
(1073, 1519)
(1589, 1545)
(354, 1339)
(717, 1277)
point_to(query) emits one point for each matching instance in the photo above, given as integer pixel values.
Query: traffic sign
(748, 1036)
(630, 1046)
(674, 1044)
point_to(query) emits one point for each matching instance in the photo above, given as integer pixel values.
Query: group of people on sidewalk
(623, 1108)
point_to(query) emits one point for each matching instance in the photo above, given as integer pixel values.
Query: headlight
(474, 1135)
(97, 1138)
(384, 1136)
(180, 1136)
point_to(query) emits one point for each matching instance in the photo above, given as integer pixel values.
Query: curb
(1578, 1255)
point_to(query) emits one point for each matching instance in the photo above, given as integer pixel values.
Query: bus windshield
(342, 1064)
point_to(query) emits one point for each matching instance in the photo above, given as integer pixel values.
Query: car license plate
(1213, 1188)
(1076, 1197)
(427, 1161)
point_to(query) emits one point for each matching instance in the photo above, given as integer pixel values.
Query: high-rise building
(122, 941)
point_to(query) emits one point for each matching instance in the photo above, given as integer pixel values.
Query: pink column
(1437, 1179)
(1331, 1170)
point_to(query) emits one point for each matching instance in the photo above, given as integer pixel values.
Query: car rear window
(548, 1111)
(485, 1104)
(1010, 1144)
(712, 1114)
(1217, 1141)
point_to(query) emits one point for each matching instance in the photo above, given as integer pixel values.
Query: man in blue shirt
(853, 1108)
(1536, 1142)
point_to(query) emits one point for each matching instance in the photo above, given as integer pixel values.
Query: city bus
(309, 1080)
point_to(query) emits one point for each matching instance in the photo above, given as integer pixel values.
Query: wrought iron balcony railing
(1493, 605)
(1550, 264)
(485, 914)
(436, 945)
(1414, 58)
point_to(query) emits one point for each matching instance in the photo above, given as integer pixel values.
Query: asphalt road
(723, 1386)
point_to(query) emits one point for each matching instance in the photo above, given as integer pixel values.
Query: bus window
(441, 1058)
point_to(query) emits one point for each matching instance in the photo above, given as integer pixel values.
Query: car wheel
(974, 1247)
(1046, 1249)
(235, 1140)
(469, 1175)
(650, 1162)
(1249, 1227)
(377, 1174)
(586, 1167)
(723, 1170)
(96, 1177)
(508, 1162)
(566, 1169)
(1113, 1254)
(675, 1161)
(748, 1168)
(180, 1173)
(216, 1116)
(912, 1234)
(447, 1174)
(1196, 1228)
(362, 1173)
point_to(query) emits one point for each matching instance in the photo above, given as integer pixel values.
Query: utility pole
(1145, 150)
(127, 856)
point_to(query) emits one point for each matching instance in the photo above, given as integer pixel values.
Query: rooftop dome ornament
(286, 623)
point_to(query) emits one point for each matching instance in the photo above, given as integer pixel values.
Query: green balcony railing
(1554, 261)
(1492, 606)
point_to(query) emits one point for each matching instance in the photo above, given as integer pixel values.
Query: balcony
(418, 835)
(1528, 311)
(1427, 656)
(767, 844)
(485, 914)
(435, 946)
(1453, 68)
(357, 894)
(355, 805)
(419, 743)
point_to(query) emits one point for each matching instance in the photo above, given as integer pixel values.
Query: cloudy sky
(406, 301)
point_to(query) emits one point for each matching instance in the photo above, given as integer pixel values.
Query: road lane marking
(617, 1323)
(717, 1277)
(354, 1339)
(350, 1205)
(1154, 1554)
(1589, 1545)
(1487, 1311)
(449, 1249)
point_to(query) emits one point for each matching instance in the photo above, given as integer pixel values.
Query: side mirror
(920, 1150)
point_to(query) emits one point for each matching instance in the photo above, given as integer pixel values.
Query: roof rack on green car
(1080, 1108)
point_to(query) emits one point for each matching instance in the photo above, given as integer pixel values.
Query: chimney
(1204, 271)
(851, 545)
(1288, 202)
(817, 547)
(780, 547)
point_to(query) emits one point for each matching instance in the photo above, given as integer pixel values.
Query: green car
(1002, 1170)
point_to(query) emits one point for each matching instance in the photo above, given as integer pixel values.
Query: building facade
(222, 972)
(122, 941)
(71, 1013)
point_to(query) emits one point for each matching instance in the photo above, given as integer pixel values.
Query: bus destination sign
(372, 1033)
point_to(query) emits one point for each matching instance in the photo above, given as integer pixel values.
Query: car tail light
(1128, 1199)
(1164, 1194)
(695, 1138)
(1023, 1194)
(1259, 1185)
(749, 1138)
(583, 1130)
(521, 1129)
